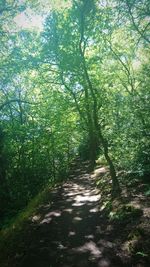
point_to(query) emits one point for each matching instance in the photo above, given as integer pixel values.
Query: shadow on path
(70, 231)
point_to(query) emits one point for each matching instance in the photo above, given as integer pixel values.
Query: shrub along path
(73, 230)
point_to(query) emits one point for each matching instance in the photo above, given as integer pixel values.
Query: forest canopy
(74, 81)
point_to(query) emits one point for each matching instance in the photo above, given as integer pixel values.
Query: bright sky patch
(29, 20)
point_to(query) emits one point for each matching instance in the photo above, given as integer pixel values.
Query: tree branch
(15, 100)
(135, 25)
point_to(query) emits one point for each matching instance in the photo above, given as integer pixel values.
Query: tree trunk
(92, 151)
(115, 183)
(95, 135)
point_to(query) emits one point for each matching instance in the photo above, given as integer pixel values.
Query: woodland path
(70, 230)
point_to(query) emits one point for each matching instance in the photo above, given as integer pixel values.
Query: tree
(137, 12)
(67, 43)
(78, 85)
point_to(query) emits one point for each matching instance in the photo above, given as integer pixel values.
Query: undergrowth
(11, 232)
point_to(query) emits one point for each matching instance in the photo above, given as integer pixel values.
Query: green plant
(124, 213)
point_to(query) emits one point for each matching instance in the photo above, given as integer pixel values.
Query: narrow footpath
(70, 230)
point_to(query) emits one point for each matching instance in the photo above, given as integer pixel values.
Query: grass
(10, 233)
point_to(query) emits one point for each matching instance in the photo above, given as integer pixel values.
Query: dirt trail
(70, 230)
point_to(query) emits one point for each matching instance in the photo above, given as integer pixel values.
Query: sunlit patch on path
(70, 230)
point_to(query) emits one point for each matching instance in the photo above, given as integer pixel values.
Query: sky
(29, 20)
(34, 18)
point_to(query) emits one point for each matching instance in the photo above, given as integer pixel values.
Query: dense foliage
(81, 85)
